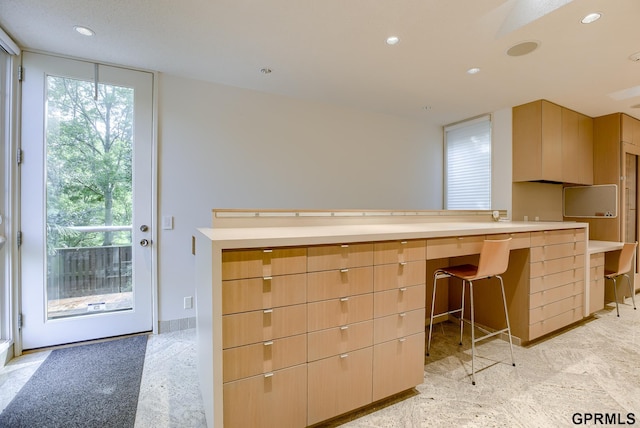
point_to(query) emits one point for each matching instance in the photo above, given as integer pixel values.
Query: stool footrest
(486, 336)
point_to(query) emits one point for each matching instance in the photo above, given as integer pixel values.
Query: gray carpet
(93, 385)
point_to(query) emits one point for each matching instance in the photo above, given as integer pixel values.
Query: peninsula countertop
(255, 237)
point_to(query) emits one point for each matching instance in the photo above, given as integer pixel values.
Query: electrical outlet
(188, 302)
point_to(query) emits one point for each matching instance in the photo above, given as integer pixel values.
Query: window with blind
(467, 165)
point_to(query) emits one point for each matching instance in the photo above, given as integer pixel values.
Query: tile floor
(593, 367)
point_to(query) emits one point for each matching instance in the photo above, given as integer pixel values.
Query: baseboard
(6, 352)
(176, 325)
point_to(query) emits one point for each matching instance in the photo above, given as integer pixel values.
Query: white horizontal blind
(468, 164)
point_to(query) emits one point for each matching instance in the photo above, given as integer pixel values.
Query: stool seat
(493, 262)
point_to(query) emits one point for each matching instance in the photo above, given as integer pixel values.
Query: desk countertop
(255, 237)
(603, 246)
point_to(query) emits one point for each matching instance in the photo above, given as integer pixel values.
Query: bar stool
(494, 260)
(625, 260)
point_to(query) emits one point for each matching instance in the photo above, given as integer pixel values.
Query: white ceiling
(334, 51)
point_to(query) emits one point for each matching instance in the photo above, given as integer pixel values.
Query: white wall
(225, 147)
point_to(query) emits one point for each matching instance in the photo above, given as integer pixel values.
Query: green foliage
(89, 162)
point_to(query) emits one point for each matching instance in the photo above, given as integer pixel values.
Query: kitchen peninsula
(306, 315)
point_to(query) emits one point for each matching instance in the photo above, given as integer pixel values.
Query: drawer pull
(344, 270)
(403, 263)
(269, 343)
(344, 327)
(460, 238)
(344, 246)
(266, 375)
(344, 299)
(402, 339)
(404, 314)
(267, 278)
(403, 289)
(267, 250)
(268, 311)
(344, 355)
(403, 242)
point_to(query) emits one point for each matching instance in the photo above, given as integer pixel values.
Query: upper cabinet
(552, 143)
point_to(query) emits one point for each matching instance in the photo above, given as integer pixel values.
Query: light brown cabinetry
(399, 312)
(556, 291)
(596, 282)
(552, 143)
(264, 340)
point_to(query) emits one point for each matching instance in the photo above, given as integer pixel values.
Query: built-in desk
(335, 310)
(603, 255)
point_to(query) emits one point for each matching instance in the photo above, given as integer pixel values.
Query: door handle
(144, 228)
(144, 242)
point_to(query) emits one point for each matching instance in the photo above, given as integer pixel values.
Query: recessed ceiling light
(265, 70)
(393, 40)
(427, 108)
(473, 70)
(592, 17)
(522, 48)
(85, 31)
(634, 57)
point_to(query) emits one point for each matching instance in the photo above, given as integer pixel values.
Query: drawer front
(549, 252)
(406, 274)
(548, 282)
(555, 323)
(596, 294)
(338, 340)
(339, 384)
(260, 358)
(331, 284)
(338, 312)
(399, 300)
(238, 264)
(555, 294)
(398, 365)
(550, 237)
(596, 272)
(398, 325)
(339, 256)
(399, 251)
(243, 295)
(597, 259)
(518, 240)
(551, 310)
(439, 248)
(260, 326)
(258, 401)
(549, 267)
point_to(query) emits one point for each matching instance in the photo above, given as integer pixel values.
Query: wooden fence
(77, 272)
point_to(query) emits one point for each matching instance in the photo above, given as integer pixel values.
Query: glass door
(86, 201)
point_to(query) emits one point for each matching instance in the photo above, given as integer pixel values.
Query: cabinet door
(398, 365)
(242, 295)
(551, 142)
(585, 143)
(570, 147)
(527, 144)
(260, 358)
(277, 399)
(406, 274)
(339, 384)
(331, 284)
(237, 264)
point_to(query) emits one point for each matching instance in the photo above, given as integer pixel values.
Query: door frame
(16, 225)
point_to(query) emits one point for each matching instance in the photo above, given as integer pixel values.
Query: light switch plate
(167, 222)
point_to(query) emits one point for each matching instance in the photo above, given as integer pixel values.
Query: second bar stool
(494, 260)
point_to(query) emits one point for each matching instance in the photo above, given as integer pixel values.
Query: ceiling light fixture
(473, 70)
(393, 40)
(85, 31)
(592, 17)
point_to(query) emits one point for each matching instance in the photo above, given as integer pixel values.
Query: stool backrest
(494, 257)
(626, 257)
